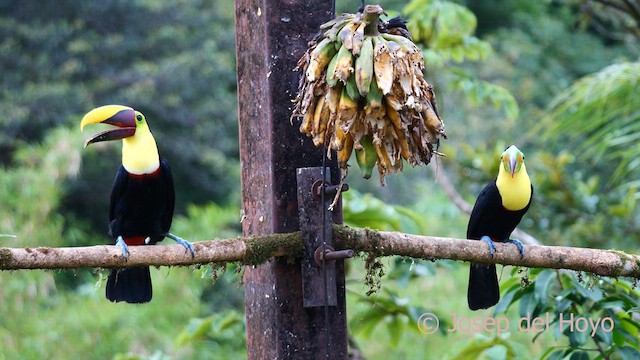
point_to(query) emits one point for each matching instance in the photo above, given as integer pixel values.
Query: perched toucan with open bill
(142, 197)
(498, 210)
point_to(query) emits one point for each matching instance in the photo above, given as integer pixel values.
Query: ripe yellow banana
(307, 119)
(382, 65)
(345, 152)
(319, 58)
(347, 111)
(393, 115)
(338, 138)
(332, 98)
(320, 119)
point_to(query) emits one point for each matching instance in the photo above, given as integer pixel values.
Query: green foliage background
(504, 71)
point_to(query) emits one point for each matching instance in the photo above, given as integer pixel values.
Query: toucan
(496, 213)
(142, 197)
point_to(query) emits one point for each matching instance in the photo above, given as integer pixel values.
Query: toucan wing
(117, 194)
(484, 211)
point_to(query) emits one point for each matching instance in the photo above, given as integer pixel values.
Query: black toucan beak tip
(111, 134)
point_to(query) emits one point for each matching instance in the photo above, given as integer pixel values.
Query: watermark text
(428, 323)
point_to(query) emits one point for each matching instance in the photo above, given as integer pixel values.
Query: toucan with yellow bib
(498, 210)
(142, 197)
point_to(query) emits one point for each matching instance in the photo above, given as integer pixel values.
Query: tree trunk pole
(270, 37)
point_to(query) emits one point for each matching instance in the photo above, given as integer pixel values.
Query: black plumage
(489, 218)
(141, 207)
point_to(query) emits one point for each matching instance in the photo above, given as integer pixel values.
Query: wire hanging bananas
(363, 89)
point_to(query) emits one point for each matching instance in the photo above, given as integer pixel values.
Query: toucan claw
(125, 249)
(517, 243)
(182, 242)
(492, 247)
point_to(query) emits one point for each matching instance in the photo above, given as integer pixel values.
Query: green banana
(331, 79)
(366, 156)
(336, 22)
(374, 97)
(352, 88)
(364, 67)
(346, 34)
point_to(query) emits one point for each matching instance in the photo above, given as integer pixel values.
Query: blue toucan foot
(182, 242)
(125, 249)
(517, 243)
(492, 247)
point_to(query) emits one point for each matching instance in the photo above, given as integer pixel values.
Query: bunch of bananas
(363, 89)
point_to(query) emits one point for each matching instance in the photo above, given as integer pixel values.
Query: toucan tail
(132, 285)
(483, 291)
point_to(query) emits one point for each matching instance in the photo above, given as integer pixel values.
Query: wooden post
(270, 37)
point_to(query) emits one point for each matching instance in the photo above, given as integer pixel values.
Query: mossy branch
(257, 249)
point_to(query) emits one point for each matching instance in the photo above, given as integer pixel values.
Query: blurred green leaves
(219, 330)
(364, 210)
(30, 192)
(174, 62)
(589, 312)
(599, 118)
(161, 59)
(446, 30)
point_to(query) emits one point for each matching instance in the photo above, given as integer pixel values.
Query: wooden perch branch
(255, 250)
(250, 250)
(380, 243)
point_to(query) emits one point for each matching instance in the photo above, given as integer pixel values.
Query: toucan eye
(139, 117)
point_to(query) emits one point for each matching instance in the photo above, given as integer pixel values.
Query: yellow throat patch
(140, 152)
(515, 191)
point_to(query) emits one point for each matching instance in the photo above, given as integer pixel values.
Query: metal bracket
(310, 209)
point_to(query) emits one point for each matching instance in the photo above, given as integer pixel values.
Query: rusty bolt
(331, 255)
(316, 188)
